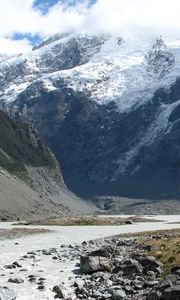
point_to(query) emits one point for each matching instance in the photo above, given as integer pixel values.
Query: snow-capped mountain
(106, 68)
(107, 107)
(18, 73)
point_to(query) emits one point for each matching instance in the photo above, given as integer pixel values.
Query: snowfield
(111, 69)
(45, 266)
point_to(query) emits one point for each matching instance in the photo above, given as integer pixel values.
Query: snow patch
(157, 128)
(48, 86)
(13, 91)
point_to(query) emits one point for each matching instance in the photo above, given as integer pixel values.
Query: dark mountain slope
(20, 145)
(89, 139)
(108, 109)
(37, 190)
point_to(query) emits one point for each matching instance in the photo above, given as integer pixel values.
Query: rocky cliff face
(23, 154)
(31, 183)
(108, 109)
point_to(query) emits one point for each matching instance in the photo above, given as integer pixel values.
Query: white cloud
(62, 18)
(135, 18)
(19, 16)
(8, 46)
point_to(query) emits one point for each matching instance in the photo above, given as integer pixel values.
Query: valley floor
(54, 255)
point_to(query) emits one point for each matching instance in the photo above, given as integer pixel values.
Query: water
(10, 252)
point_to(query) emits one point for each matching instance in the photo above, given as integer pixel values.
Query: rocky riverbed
(126, 269)
(103, 269)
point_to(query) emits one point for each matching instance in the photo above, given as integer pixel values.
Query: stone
(151, 283)
(117, 293)
(106, 251)
(41, 287)
(129, 222)
(78, 284)
(175, 269)
(46, 252)
(152, 248)
(171, 293)
(91, 242)
(42, 279)
(177, 272)
(7, 294)
(173, 278)
(165, 284)
(16, 264)
(151, 264)
(16, 280)
(91, 264)
(10, 266)
(60, 291)
(32, 278)
(131, 267)
(84, 243)
(154, 295)
(151, 275)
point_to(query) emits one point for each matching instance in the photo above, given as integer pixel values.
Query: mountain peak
(159, 60)
(51, 39)
(159, 44)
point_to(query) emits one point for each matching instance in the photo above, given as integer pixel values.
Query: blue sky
(44, 7)
(24, 23)
(33, 39)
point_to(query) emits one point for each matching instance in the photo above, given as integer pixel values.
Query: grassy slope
(92, 220)
(20, 145)
(169, 251)
(168, 243)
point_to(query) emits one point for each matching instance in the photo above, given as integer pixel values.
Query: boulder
(106, 251)
(154, 295)
(171, 293)
(15, 280)
(173, 278)
(152, 248)
(175, 269)
(129, 222)
(151, 264)
(16, 264)
(79, 284)
(135, 268)
(131, 266)
(60, 291)
(117, 293)
(91, 264)
(166, 284)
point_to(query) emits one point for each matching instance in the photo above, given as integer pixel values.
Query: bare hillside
(18, 200)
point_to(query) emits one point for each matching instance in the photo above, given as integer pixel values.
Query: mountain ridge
(109, 112)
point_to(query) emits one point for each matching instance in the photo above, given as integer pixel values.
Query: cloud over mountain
(129, 18)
